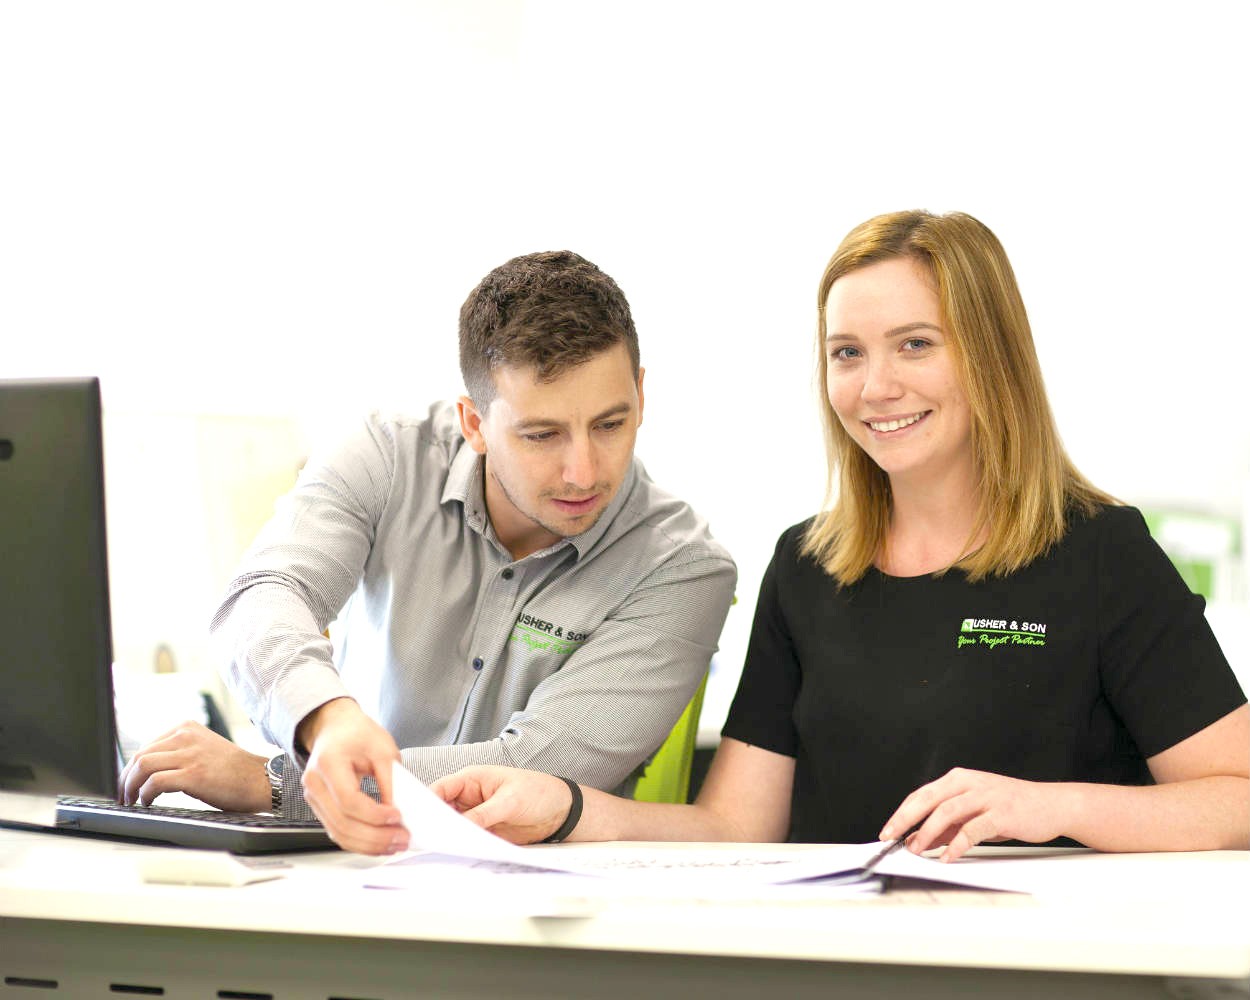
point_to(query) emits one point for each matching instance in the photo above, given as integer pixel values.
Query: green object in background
(667, 778)
(1196, 544)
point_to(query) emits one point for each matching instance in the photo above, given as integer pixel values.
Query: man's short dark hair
(550, 311)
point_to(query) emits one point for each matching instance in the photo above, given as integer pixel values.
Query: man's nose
(581, 466)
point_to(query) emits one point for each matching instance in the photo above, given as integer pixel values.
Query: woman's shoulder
(1115, 542)
(790, 542)
(1115, 523)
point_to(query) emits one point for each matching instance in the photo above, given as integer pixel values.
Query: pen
(890, 848)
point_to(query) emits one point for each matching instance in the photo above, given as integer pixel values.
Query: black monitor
(57, 729)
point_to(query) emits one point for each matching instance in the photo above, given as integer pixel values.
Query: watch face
(274, 766)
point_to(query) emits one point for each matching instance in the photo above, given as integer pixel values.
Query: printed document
(444, 837)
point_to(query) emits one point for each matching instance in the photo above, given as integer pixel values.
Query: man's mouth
(575, 507)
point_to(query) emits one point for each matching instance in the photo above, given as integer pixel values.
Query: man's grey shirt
(575, 660)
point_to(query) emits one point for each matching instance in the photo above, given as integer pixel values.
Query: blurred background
(255, 221)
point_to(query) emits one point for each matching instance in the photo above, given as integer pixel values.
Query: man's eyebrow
(532, 423)
(898, 331)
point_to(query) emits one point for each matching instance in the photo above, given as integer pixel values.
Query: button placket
(506, 582)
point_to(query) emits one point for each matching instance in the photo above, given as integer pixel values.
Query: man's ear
(471, 424)
(641, 373)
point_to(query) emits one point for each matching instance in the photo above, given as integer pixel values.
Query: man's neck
(517, 533)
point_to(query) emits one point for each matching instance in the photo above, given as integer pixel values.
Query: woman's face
(891, 378)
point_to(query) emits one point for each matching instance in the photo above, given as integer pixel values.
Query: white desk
(73, 912)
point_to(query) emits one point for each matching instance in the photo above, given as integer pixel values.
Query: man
(509, 585)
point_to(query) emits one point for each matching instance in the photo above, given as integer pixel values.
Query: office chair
(667, 777)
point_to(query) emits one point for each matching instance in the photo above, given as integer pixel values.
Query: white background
(255, 220)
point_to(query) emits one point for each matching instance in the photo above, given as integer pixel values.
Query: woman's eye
(915, 344)
(845, 353)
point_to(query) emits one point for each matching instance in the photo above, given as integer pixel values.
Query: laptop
(59, 752)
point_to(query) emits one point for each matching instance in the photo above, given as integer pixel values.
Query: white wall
(275, 210)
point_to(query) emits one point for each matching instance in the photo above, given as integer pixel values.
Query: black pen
(890, 848)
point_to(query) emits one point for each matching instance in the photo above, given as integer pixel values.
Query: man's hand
(964, 808)
(520, 806)
(192, 758)
(346, 745)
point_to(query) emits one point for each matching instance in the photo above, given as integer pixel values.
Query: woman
(972, 641)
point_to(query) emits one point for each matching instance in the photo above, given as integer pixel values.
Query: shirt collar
(587, 540)
(464, 483)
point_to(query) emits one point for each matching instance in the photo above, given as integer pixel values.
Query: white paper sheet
(1086, 874)
(437, 828)
(467, 884)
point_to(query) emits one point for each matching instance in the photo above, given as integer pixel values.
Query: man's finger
(143, 768)
(382, 774)
(493, 811)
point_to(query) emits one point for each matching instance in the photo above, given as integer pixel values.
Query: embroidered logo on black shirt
(990, 633)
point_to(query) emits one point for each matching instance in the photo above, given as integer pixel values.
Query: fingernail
(397, 844)
(887, 833)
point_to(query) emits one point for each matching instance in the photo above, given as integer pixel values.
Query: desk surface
(52, 881)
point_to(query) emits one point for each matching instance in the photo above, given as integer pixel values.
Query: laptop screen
(57, 730)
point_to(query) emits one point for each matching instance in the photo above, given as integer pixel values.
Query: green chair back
(667, 777)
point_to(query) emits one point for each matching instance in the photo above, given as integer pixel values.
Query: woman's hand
(192, 758)
(521, 806)
(964, 808)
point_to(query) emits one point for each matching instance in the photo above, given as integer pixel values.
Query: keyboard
(242, 833)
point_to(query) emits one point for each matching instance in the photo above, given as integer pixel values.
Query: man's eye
(612, 425)
(540, 437)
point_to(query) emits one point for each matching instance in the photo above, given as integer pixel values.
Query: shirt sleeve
(617, 697)
(762, 712)
(268, 632)
(615, 700)
(1162, 669)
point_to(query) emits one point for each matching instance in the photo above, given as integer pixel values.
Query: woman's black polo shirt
(1076, 668)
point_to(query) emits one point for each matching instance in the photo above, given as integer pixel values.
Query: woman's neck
(931, 526)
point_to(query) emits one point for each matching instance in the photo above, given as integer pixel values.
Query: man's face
(556, 452)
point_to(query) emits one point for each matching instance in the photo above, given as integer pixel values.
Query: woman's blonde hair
(1027, 485)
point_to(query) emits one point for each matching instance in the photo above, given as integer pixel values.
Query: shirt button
(477, 663)
(507, 574)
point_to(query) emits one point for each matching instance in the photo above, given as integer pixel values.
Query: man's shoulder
(654, 520)
(415, 438)
(438, 425)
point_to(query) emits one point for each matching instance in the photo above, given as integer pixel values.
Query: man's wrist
(310, 726)
(570, 821)
(273, 773)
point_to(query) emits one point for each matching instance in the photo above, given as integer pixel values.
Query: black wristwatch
(273, 771)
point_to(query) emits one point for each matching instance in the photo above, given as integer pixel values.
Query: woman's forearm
(1202, 814)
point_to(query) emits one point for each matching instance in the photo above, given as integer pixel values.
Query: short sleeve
(1162, 669)
(762, 712)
